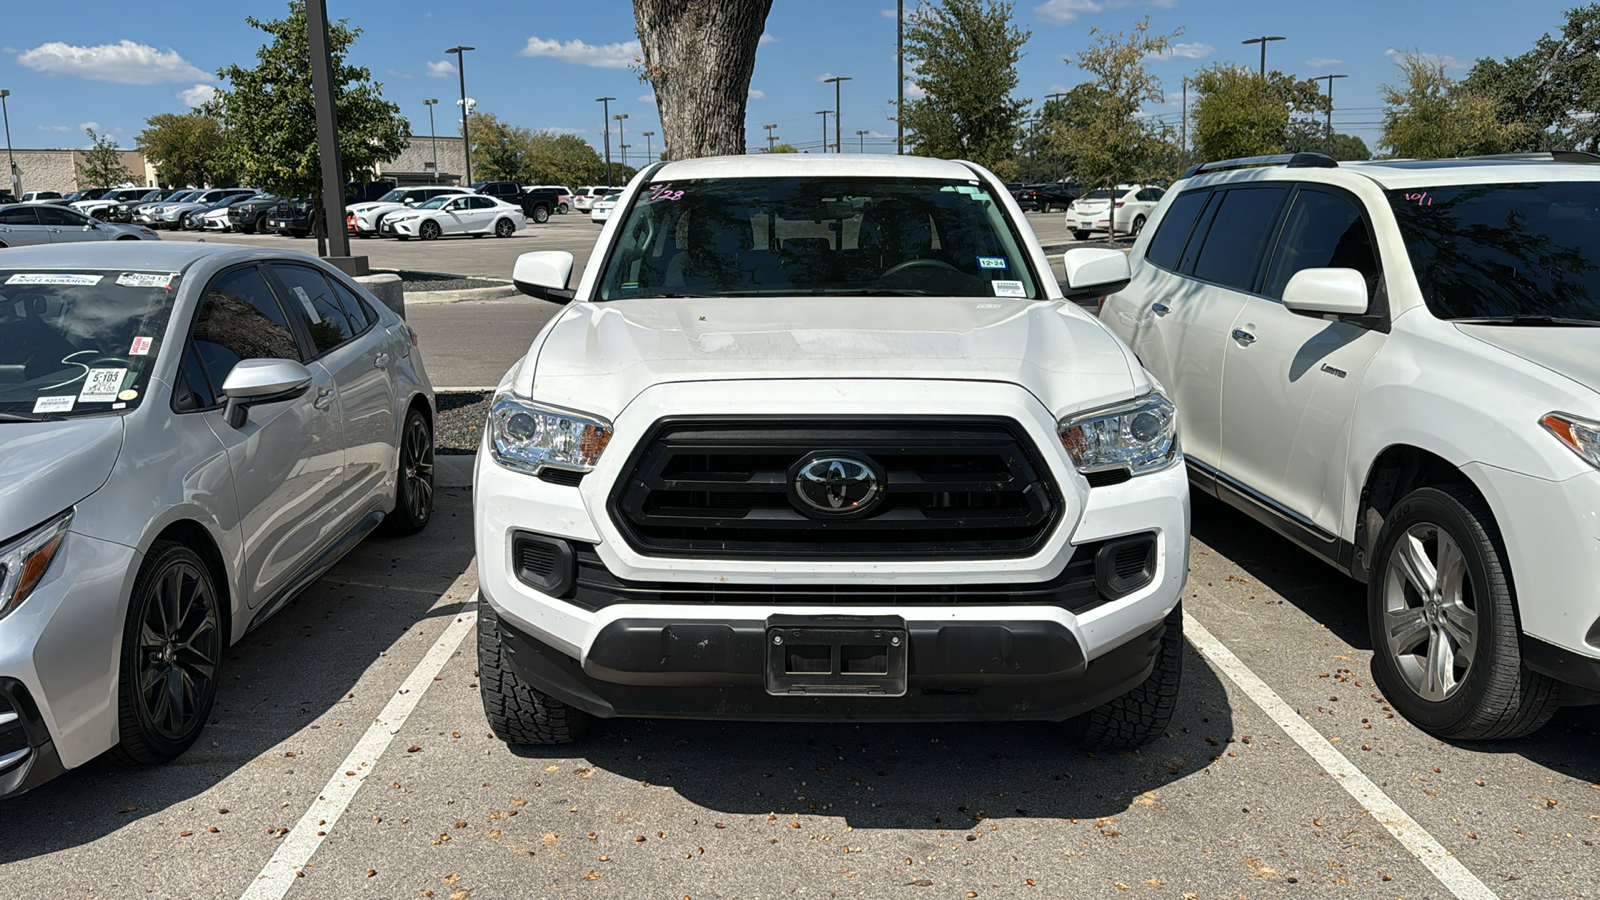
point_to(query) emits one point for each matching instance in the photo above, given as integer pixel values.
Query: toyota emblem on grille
(837, 485)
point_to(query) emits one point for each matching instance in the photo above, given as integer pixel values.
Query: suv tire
(1080, 235)
(1142, 714)
(1471, 610)
(517, 713)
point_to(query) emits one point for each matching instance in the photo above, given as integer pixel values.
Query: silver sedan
(31, 224)
(190, 435)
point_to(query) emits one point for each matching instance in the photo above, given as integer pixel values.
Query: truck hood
(46, 467)
(597, 357)
(1573, 352)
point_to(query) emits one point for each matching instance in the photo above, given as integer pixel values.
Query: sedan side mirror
(1095, 271)
(253, 382)
(544, 274)
(1319, 291)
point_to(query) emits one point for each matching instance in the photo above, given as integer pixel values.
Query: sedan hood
(1573, 352)
(373, 205)
(46, 467)
(597, 357)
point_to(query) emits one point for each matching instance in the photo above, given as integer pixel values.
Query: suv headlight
(1140, 436)
(24, 561)
(1581, 436)
(529, 436)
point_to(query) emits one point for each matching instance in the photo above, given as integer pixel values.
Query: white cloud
(889, 13)
(767, 39)
(1196, 50)
(915, 91)
(578, 53)
(81, 126)
(123, 63)
(757, 95)
(443, 68)
(197, 96)
(1444, 59)
(1323, 62)
(647, 98)
(396, 73)
(1065, 12)
(823, 77)
(565, 130)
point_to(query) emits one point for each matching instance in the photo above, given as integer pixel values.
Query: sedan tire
(413, 500)
(1080, 235)
(504, 228)
(429, 230)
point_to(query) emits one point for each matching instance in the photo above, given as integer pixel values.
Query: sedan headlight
(1581, 436)
(24, 561)
(529, 436)
(403, 218)
(1139, 436)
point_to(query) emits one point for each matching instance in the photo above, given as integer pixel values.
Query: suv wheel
(1142, 714)
(562, 209)
(517, 713)
(1080, 235)
(1444, 625)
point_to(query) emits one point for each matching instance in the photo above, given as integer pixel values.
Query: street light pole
(649, 155)
(466, 140)
(861, 145)
(1183, 125)
(1055, 162)
(769, 136)
(622, 135)
(605, 124)
(430, 104)
(900, 84)
(1330, 79)
(835, 80)
(1263, 41)
(338, 241)
(11, 164)
(824, 113)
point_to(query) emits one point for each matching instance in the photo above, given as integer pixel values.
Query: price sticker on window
(1008, 289)
(305, 300)
(101, 385)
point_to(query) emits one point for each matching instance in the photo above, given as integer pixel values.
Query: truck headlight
(528, 436)
(1140, 436)
(1581, 436)
(24, 561)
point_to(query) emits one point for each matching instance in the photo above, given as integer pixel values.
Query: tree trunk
(699, 56)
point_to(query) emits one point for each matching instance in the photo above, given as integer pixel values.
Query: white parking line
(278, 875)
(1449, 870)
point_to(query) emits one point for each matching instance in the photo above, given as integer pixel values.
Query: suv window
(1322, 230)
(325, 320)
(1238, 234)
(240, 319)
(1176, 224)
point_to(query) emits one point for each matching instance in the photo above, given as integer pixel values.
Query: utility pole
(861, 141)
(1329, 79)
(900, 83)
(466, 140)
(1183, 126)
(622, 135)
(1055, 161)
(835, 80)
(605, 125)
(338, 241)
(770, 138)
(430, 104)
(1263, 41)
(824, 113)
(11, 163)
(649, 155)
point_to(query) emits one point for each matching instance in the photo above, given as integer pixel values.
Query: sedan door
(20, 226)
(68, 226)
(484, 212)
(454, 216)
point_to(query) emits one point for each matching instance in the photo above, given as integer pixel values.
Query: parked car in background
(1134, 204)
(123, 210)
(249, 215)
(366, 219)
(105, 207)
(583, 198)
(143, 213)
(1370, 360)
(290, 218)
(7, 197)
(366, 191)
(1046, 197)
(177, 214)
(192, 434)
(30, 224)
(40, 196)
(602, 207)
(87, 194)
(219, 217)
(536, 206)
(470, 214)
(563, 195)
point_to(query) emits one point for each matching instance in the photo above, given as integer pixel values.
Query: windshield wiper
(883, 292)
(21, 417)
(1547, 321)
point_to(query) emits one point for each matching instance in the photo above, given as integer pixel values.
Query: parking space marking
(1457, 878)
(278, 875)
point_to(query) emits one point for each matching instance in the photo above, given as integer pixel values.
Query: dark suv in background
(250, 216)
(536, 205)
(1046, 197)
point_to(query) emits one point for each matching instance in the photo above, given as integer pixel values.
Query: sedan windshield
(398, 195)
(812, 235)
(435, 203)
(1502, 252)
(78, 342)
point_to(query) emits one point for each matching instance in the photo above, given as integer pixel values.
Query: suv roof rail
(1560, 156)
(1290, 160)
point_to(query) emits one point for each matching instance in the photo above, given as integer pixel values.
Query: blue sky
(541, 64)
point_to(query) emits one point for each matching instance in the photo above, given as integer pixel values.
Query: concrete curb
(490, 293)
(453, 470)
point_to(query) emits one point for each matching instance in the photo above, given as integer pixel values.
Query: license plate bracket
(836, 656)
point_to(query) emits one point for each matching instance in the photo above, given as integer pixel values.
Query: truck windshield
(817, 236)
(1500, 252)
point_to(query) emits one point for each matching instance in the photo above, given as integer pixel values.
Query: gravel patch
(440, 281)
(458, 422)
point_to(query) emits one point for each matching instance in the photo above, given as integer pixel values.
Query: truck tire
(517, 713)
(1142, 714)
(541, 214)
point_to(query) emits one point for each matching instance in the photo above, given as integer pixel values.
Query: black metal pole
(466, 137)
(605, 120)
(327, 128)
(900, 96)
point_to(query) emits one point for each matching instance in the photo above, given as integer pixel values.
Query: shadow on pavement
(275, 682)
(908, 776)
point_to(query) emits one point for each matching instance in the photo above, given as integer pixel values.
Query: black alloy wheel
(413, 501)
(504, 228)
(429, 231)
(1138, 226)
(171, 650)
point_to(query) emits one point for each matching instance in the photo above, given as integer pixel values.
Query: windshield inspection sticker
(992, 262)
(53, 404)
(141, 347)
(22, 278)
(144, 280)
(101, 385)
(129, 394)
(305, 301)
(1008, 289)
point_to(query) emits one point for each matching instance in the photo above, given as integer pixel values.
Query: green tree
(1309, 135)
(1430, 116)
(1238, 113)
(562, 159)
(269, 114)
(499, 150)
(966, 53)
(1041, 157)
(1552, 91)
(187, 149)
(102, 163)
(784, 148)
(1114, 143)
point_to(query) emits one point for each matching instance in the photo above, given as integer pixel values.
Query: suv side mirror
(253, 382)
(544, 274)
(1093, 271)
(1319, 291)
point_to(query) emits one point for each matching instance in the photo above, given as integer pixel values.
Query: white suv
(820, 439)
(1397, 365)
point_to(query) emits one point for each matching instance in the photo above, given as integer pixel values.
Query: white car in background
(472, 214)
(366, 219)
(1092, 211)
(215, 220)
(601, 210)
